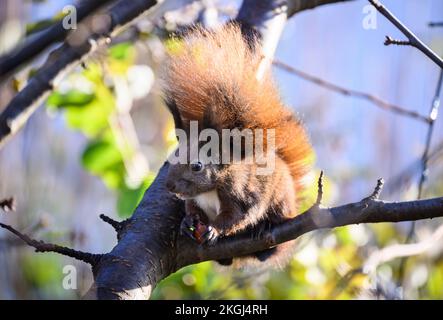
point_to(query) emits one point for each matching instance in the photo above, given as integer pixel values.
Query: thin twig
(377, 190)
(41, 246)
(402, 250)
(115, 224)
(320, 189)
(389, 40)
(8, 204)
(435, 24)
(413, 40)
(433, 114)
(353, 93)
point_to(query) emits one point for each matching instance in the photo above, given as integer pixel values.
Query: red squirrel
(211, 78)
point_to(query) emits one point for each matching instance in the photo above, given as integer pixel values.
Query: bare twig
(425, 157)
(377, 190)
(41, 246)
(433, 113)
(320, 189)
(402, 250)
(295, 6)
(404, 177)
(390, 253)
(413, 40)
(8, 204)
(115, 224)
(389, 40)
(435, 24)
(353, 93)
(119, 226)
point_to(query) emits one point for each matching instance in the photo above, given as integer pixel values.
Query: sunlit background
(95, 145)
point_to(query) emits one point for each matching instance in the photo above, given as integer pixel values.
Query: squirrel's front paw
(198, 231)
(208, 235)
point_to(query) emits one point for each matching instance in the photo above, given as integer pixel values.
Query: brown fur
(212, 79)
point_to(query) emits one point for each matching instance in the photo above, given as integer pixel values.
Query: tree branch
(368, 210)
(7, 204)
(435, 24)
(36, 43)
(117, 225)
(413, 40)
(352, 93)
(41, 246)
(77, 47)
(402, 250)
(151, 248)
(267, 19)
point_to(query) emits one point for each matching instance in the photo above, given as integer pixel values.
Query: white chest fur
(209, 203)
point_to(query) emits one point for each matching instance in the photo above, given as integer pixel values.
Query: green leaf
(122, 51)
(90, 120)
(41, 270)
(73, 98)
(435, 282)
(128, 198)
(99, 156)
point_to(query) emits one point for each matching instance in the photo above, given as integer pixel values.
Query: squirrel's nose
(170, 185)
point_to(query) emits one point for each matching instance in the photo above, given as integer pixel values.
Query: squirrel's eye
(198, 166)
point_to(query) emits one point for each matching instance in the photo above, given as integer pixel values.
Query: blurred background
(97, 142)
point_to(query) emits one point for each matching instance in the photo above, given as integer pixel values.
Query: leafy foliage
(89, 105)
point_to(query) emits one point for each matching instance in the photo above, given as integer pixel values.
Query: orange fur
(217, 70)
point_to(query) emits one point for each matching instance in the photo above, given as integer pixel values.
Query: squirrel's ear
(209, 122)
(172, 106)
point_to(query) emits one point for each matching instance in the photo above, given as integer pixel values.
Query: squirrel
(211, 78)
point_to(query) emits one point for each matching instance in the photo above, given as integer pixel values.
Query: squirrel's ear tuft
(172, 106)
(209, 120)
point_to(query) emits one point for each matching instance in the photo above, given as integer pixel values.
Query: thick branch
(36, 43)
(267, 18)
(75, 49)
(413, 40)
(369, 210)
(151, 248)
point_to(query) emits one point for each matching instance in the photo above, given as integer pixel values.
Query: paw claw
(187, 227)
(210, 236)
(198, 231)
